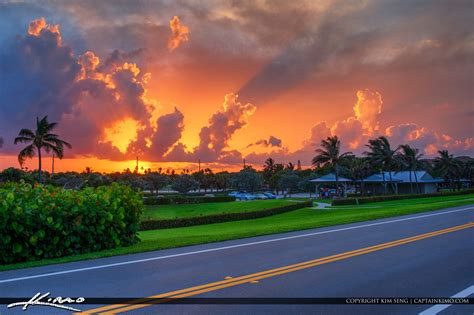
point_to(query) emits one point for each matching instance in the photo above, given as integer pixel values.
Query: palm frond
(22, 140)
(27, 152)
(26, 133)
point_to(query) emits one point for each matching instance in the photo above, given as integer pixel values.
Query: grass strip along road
(166, 212)
(214, 286)
(301, 219)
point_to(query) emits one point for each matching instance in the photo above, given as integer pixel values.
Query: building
(330, 179)
(403, 182)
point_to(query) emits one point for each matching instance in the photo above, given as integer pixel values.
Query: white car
(260, 196)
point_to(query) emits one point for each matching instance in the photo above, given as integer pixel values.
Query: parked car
(233, 193)
(270, 195)
(260, 196)
(245, 196)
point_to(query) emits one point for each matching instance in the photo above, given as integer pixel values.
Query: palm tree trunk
(416, 183)
(384, 183)
(411, 185)
(39, 164)
(337, 180)
(391, 181)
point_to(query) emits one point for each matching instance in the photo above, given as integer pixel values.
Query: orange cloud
(38, 25)
(367, 108)
(179, 33)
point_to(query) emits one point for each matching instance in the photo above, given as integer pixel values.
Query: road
(424, 255)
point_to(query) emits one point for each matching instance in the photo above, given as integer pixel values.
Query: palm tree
(330, 154)
(269, 165)
(444, 165)
(358, 169)
(41, 138)
(381, 154)
(410, 158)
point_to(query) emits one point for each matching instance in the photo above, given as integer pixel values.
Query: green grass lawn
(446, 200)
(295, 220)
(164, 212)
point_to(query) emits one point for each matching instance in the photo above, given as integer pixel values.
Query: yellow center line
(164, 297)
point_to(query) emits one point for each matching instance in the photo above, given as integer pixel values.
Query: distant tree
(445, 166)
(88, 170)
(222, 180)
(269, 165)
(199, 177)
(184, 183)
(12, 174)
(155, 181)
(358, 169)
(40, 139)
(290, 166)
(410, 160)
(468, 170)
(135, 181)
(289, 182)
(271, 173)
(383, 156)
(247, 179)
(209, 179)
(305, 184)
(330, 155)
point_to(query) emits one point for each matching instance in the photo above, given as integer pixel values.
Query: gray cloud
(271, 142)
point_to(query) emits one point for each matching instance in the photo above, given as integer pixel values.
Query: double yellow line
(213, 286)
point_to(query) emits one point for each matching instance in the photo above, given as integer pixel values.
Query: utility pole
(244, 163)
(199, 163)
(52, 165)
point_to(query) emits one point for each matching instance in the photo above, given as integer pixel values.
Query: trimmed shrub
(217, 218)
(46, 222)
(361, 200)
(179, 200)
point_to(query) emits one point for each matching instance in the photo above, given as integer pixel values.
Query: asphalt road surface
(429, 254)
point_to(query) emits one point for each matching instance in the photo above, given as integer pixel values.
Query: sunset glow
(122, 133)
(225, 82)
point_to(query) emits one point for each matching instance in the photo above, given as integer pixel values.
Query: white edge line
(224, 247)
(435, 309)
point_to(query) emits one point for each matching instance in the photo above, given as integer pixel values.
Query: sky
(175, 82)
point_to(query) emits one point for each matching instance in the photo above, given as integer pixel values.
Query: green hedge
(185, 200)
(361, 200)
(189, 194)
(217, 218)
(46, 222)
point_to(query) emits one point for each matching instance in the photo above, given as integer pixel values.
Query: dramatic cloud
(37, 26)
(170, 127)
(429, 141)
(355, 131)
(179, 33)
(103, 109)
(214, 138)
(271, 142)
(367, 109)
